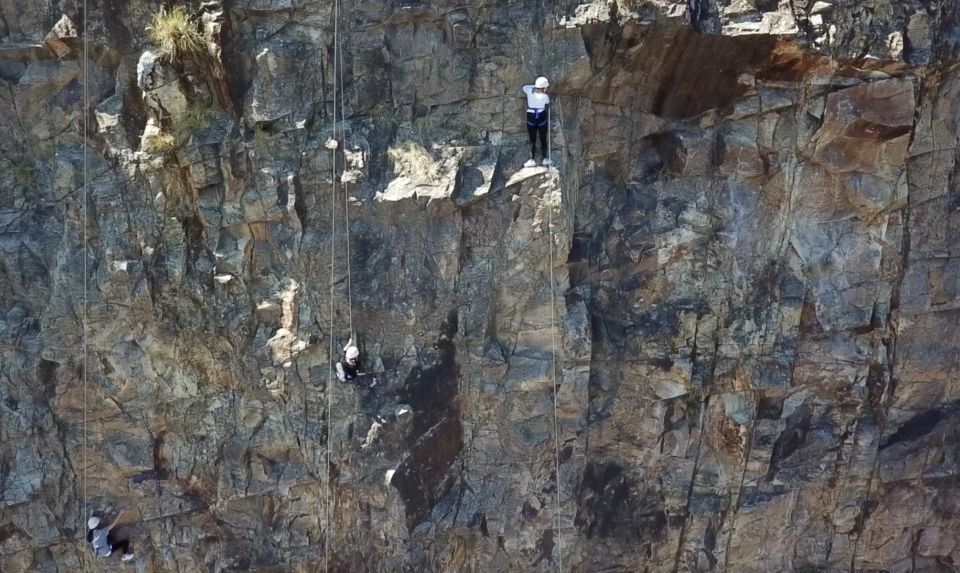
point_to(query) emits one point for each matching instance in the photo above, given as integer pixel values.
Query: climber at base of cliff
(538, 120)
(349, 367)
(104, 543)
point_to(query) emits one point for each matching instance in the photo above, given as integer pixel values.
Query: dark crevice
(436, 439)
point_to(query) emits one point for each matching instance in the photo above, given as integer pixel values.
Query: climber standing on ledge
(538, 120)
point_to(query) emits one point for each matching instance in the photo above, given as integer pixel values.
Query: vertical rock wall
(740, 277)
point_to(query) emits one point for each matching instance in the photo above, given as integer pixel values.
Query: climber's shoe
(530, 163)
(547, 162)
(128, 557)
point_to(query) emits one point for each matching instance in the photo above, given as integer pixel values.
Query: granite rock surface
(720, 336)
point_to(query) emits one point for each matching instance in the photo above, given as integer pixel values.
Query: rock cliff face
(719, 337)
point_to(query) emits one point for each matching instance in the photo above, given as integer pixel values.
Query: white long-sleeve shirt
(536, 100)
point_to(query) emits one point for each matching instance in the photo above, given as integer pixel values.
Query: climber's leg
(122, 545)
(532, 133)
(543, 131)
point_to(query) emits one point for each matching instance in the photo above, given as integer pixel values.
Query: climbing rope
(86, 241)
(346, 194)
(553, 349)
(330, 384)
(337, 70)
(553, 380)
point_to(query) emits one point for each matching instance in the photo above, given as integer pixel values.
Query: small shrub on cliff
(197, 118)
(414, 160)
(633, 4)
(23, 174)
(427, 129)
(177, 34)
(383, 117)
(261, 139)
(159, 143)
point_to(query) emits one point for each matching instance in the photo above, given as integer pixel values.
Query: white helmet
(93, 522)
(541, 83)
(352, 352)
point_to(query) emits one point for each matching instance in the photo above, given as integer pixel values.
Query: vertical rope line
(346, 194)
(333, 243)
(330, 385)
(86, 182)
(550, 141)
(556, 394)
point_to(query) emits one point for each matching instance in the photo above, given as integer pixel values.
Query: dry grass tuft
(159, 143)
(633, 4)
(198, 117)
(177, 34)
(383, 116)
(413, 160)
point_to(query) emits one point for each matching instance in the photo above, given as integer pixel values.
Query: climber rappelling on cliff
(104, 543)
(538, 121)
(349, 367)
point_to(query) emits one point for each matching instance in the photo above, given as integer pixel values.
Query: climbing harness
(537, 118)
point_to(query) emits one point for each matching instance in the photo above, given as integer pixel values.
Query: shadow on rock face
(610, 506)
(437, 437)
(923, 424)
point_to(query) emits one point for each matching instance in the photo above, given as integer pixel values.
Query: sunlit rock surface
(743, 274)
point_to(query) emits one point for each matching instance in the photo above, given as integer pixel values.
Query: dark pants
(123, 545)
(538, 126)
